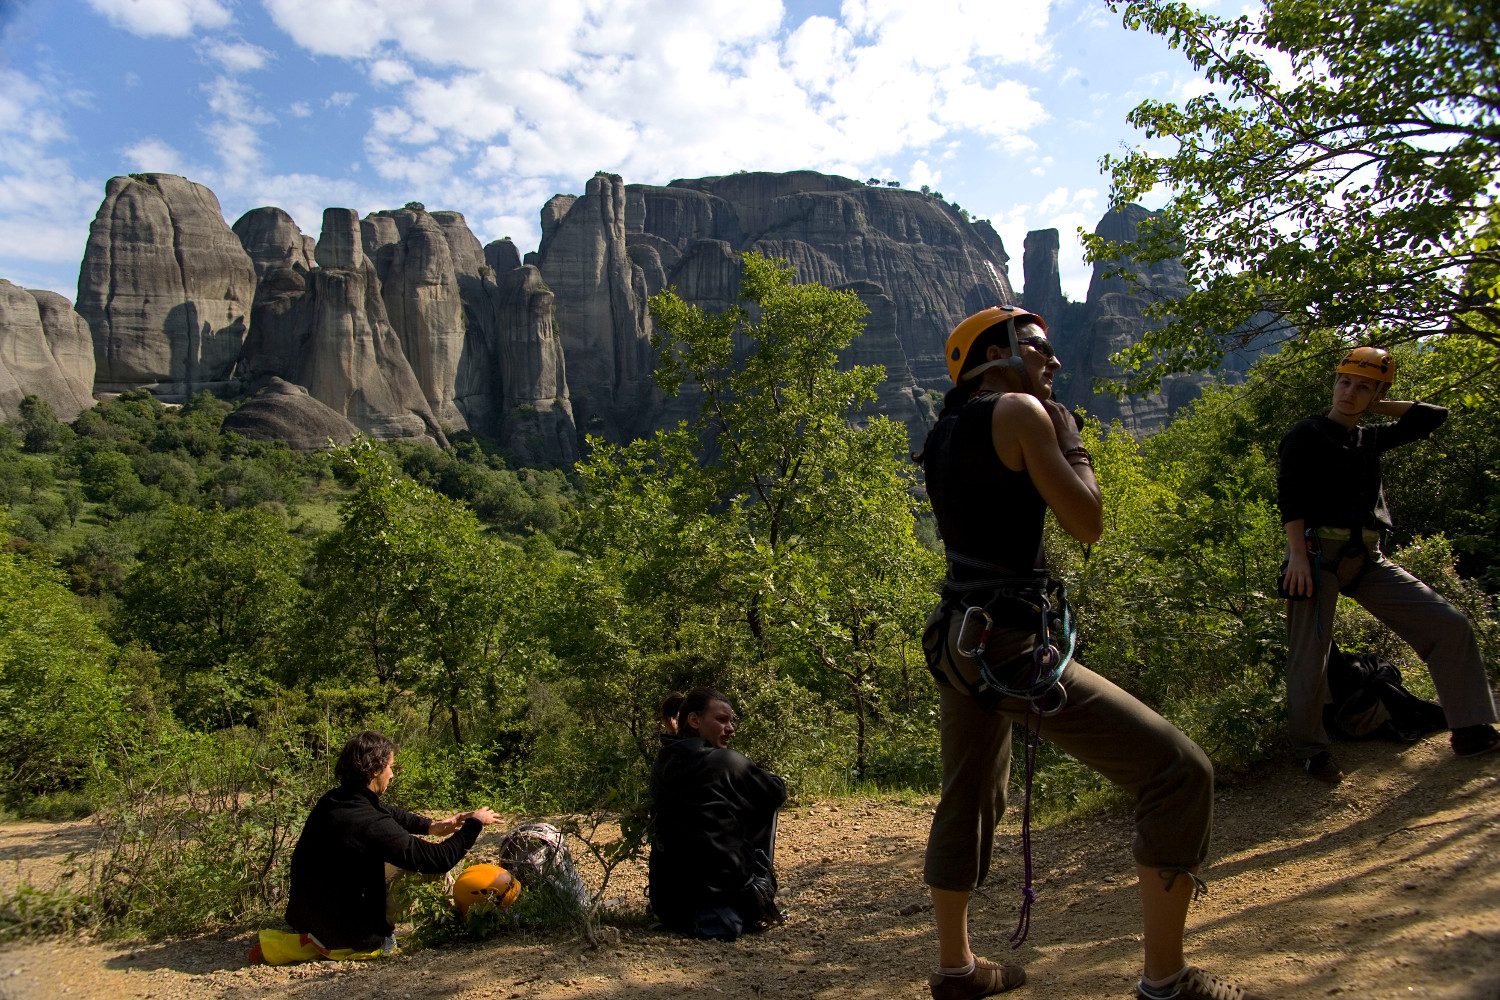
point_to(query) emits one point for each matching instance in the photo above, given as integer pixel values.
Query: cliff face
(914, 260)
(45, 351)
(402, 324)
(420, 286)
(600, 310)
(165, 288)
(935, 266)
(327, 330)
(1113, 317)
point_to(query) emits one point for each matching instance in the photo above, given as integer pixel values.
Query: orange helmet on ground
(1371, 362)
(481, 883)
(964, 334)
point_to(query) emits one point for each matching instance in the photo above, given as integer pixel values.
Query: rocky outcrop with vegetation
(402, 324)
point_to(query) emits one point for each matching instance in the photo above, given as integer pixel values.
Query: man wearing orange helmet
(1333, 507)
(1000, 648)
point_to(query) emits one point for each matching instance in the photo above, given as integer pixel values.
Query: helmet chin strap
(1015, 362)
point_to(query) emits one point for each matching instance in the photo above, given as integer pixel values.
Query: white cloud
(236, 57)
(175, 18)
(389, 72)
(1190, 87)
(339, 99)
(151, 155)
(234, 129)
(921, 174)
(656, 89)
(44, 207)
(299, 109)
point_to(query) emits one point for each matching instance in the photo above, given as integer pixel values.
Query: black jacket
(1330, 475)
(709, 808)
(338, 866)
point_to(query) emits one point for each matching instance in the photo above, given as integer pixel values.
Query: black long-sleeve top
(709, 805)
(1330, 475)
(338, 866)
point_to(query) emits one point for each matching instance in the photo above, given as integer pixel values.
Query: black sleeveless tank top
(984, 510)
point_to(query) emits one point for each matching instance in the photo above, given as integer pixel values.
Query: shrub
(58, 704)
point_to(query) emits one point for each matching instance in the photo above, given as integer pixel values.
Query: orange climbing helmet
(964, 334)
(1371, 362)
(484, 883)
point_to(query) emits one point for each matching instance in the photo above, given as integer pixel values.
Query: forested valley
(191, 624)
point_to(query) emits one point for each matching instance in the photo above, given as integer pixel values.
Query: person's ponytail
(953, 401)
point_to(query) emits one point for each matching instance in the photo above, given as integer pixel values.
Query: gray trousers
(1435, 629)
(1103, 727)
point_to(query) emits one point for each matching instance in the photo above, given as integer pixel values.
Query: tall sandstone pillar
(165, 287)
(600, 309)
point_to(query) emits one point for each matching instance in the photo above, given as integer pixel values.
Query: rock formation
(1039, 262)
(1112, 319)
(898, 397)
(600, 310)
(538, 421)
(45, 351)
(327, 330)
(286, 412)
(401, 323)
(272, 239)
(165, 288)
(934, 265)
(420, 287)
(918, 263)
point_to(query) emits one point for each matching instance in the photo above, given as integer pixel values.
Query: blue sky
(489, 108)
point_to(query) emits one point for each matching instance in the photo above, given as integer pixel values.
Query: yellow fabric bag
(286, 947)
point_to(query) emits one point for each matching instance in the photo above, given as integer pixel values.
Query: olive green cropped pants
(1103, 727)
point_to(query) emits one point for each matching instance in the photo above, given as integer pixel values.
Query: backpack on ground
(1369, 701)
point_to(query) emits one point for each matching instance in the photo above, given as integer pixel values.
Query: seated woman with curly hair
(338, 890)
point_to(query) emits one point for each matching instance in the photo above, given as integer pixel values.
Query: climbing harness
(1012, 600)
(1359, 543)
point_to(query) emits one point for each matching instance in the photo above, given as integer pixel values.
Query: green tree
(413, 588)
(39, 427)
(771, 512)
(58, 704)
(1352, 193)
(213, 595)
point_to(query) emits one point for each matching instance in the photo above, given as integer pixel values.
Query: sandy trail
(1385, 886)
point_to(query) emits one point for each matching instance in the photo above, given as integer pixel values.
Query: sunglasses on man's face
(1042, 344)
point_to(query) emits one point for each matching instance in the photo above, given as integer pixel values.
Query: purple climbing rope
(1031, 739)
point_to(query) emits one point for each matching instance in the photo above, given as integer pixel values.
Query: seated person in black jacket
(713, 825)
(338, 867)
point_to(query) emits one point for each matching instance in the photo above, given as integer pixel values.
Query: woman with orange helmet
(1333, 508)
(999, 645)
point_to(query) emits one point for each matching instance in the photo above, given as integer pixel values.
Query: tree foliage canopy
(772, 513)
(1341, 177)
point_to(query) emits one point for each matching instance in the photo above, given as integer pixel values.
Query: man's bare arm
(1044, 432)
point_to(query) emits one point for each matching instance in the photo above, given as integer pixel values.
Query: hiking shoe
(1322, 766)
(1471, 740)
(1195, 984)
(987, 979)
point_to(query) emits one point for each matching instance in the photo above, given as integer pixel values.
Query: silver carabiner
(1062, 701)
(963, 629)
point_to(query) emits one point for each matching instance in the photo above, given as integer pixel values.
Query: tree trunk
(859, 745)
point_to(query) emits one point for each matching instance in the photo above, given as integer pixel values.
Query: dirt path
(1385, 886)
